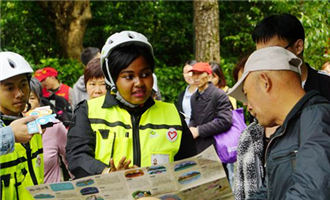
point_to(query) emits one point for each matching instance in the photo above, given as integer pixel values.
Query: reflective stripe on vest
(160, 133)
(15, 173)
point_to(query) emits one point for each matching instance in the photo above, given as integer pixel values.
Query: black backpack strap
(65, 172)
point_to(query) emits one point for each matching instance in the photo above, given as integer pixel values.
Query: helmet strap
(110, 81)
(123, 101)
(113, 90)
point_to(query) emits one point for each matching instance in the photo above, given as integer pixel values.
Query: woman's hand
(122, 165)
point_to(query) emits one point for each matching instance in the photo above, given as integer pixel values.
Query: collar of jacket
(6, 119)
(296, 110)
(111, 100)
(206, 93)
(312, 79)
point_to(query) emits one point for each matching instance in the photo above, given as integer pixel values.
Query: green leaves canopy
(25, 29)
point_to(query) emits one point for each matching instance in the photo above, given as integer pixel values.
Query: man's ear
(299, 47)
(209, 77)
(265, 81)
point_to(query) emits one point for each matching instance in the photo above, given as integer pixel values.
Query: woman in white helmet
(21, 166)
(126, 127)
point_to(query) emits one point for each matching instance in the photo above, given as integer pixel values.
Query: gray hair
(36, 87)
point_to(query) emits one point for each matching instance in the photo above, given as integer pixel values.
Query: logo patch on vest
(153, 134)
(38, 161)
(172, 135)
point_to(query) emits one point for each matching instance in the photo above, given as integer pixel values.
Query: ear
(265, 81)
(210, 77)
(299, 47)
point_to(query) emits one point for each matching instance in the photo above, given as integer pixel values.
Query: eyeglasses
(290, 44)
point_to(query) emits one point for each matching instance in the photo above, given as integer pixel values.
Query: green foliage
(316, 23)
(68, 70)
(238, 19)
(314, 15)
(170, 81)
(167, 25)
(25, 29)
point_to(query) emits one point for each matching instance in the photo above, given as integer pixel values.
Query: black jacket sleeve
(192, 122)
(80, 149)
(188, 144)
(317, 81)
(178, 103)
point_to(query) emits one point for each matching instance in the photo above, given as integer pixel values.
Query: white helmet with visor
(12, 64)
(123, 38)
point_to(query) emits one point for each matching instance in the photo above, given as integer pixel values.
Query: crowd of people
(104, 123)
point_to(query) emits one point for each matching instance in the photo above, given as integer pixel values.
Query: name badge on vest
(172, 135)
(158, 159)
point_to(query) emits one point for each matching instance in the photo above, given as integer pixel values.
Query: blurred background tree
(207, 37)
(26, 28)
(70, 19)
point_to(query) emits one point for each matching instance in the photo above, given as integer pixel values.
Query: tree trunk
(207, 37)
(71, 19)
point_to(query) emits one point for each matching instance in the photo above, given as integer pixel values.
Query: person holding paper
(24, 166)
(126, 126)
(53, 138)
(17, 131)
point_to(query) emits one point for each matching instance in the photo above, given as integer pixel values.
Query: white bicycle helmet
(12, 64)
(123, 38)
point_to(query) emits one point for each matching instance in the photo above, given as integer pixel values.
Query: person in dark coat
(211, 108)
(298, 153)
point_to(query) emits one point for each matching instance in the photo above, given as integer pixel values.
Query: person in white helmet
(21, 166)
(17, 130)
(126, 127)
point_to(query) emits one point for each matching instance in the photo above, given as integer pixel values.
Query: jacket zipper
(136, 140)
(277, 136)
(290, 153)
(282, 133)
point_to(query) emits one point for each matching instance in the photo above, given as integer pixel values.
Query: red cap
(201, 67)
(41, 74)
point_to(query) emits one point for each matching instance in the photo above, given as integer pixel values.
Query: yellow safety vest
(22, 168)
(159, 132)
